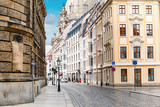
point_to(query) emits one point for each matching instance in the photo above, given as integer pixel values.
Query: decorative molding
(136, 39)
(136, 18)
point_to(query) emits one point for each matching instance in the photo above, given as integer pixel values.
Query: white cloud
(50, 19)
(50, 27)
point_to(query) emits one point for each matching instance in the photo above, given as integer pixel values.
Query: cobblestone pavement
(92, 96)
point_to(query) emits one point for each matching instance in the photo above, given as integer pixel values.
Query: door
(107, 75)
(137, 77)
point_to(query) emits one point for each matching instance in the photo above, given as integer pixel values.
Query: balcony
(107, 22)
(107, 44)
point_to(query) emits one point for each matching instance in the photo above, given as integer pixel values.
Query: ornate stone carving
(136, 18)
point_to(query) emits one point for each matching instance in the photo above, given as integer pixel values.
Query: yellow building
(131, 32)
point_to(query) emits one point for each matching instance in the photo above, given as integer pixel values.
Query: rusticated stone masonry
(22, 41)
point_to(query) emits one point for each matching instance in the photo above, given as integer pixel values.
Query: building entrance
(137, 77)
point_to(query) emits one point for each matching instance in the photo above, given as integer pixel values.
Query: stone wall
(12, 93)
(22, 41)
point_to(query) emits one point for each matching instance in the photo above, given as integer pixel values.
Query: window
(150, 74)
(122, 9)
(135, 9)
(136, 29)
(90, 34)
(91, 61)
(123, 75)
(149, 30)
(148, 9)
(49, 74)
(70, 8)
(84, 7)
(122, 30)
(49, 65)
(123, 52)
(137, 52)
(150, 51)
(90, 48)
(50, 69)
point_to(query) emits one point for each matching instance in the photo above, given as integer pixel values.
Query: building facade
(131, 33)
(116, 31)
(77, 8)
(22, 41)
(49, 67)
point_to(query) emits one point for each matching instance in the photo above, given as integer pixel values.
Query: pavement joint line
(110, 87)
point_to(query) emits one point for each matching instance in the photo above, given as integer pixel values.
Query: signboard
(90, 72)
(113, 63)
(113, 69)
(134, 62)
(33, 63)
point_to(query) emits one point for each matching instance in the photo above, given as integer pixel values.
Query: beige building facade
(131, 32)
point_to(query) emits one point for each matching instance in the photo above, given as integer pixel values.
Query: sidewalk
(49, 97)
(151, 91)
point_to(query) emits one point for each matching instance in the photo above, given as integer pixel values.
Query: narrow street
(92, 96)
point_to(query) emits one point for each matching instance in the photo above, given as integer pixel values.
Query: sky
(53, 8)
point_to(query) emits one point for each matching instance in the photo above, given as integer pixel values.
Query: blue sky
(53, 10)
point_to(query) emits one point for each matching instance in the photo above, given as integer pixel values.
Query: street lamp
(58, 64)
(101, 76)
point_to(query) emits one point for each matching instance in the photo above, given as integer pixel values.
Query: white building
(49, 65)
(76, 50)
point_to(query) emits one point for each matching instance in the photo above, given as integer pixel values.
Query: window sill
(151, 82)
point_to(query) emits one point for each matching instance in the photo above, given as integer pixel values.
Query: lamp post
(101, 76)
(58, 64)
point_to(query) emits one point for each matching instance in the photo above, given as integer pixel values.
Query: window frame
(124, 52)
(148, 8)
(150, 29)
(124, 74)
(150, 52)
(135, 9)
(135, 29)
(123, 29)
(122, 10)
(151, 78)
(137, 51)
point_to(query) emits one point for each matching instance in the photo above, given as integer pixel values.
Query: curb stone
(67, 99)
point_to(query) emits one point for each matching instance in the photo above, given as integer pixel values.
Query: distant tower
(63, 20)
(76, 8)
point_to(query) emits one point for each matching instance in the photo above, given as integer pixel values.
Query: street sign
(90, 72)
(113, 69)
(113, 63)
(33, 63)
(134, 62)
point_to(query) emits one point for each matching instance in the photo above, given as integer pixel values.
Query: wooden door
(138, 77)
